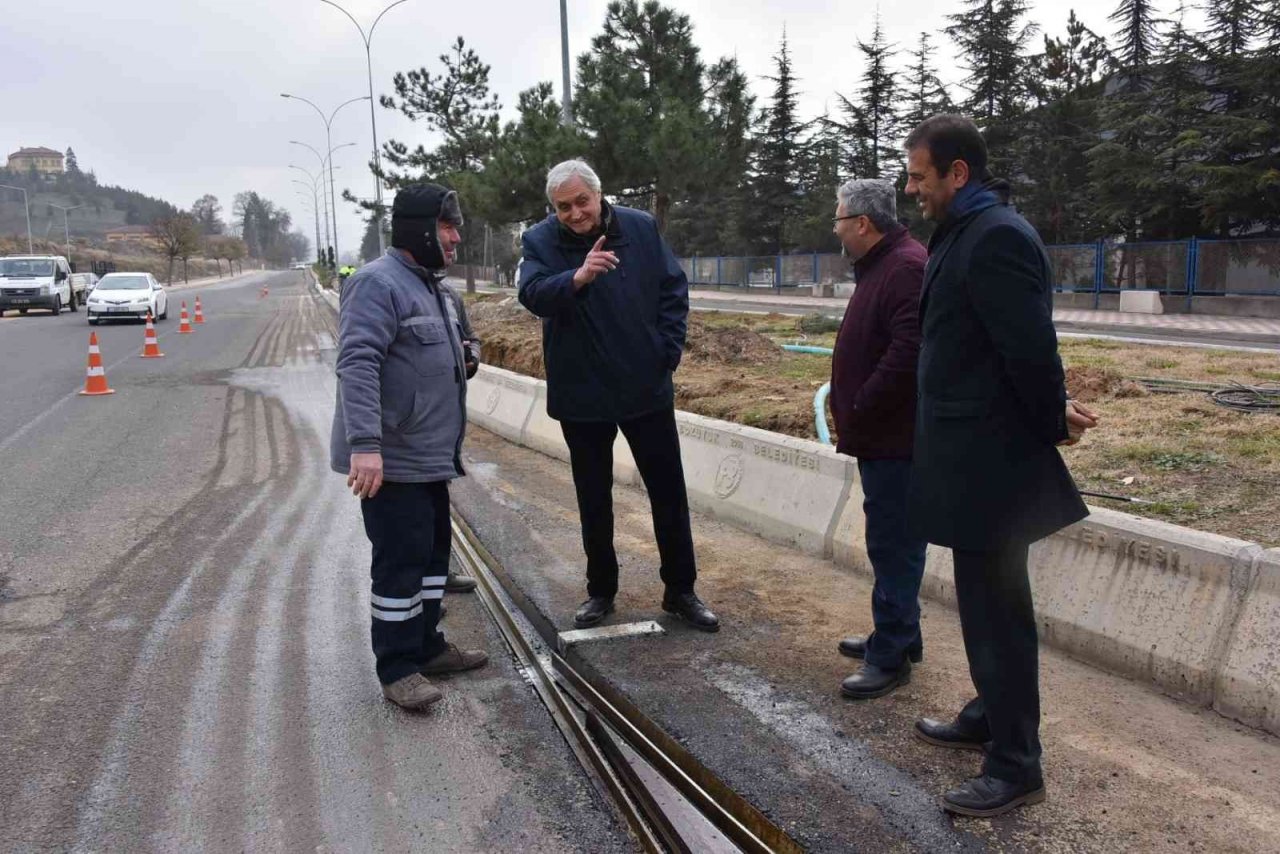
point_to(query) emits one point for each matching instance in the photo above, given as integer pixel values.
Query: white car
(127, 295)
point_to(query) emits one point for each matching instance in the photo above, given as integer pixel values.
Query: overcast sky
(177, 99)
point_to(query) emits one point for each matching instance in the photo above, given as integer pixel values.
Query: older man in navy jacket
(987, 477)
(873, 399)
(614, 306)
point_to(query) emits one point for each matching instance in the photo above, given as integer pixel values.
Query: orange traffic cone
(150, 347)
(95, 382)
(199, 313)
(184, 326)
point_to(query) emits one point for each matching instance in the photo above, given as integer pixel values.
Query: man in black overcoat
(987, 479)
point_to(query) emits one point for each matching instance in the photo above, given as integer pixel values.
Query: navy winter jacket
(610, 348)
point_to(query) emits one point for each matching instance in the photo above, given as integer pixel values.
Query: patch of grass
(1260, 374)
(1160, 364)
(1183, 460)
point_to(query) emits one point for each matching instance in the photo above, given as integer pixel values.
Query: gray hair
(874, 198)
(563, 173)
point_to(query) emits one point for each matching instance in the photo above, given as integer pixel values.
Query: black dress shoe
(856, 647)
(871, 681)
(988, 796)
(691, 609)
(941, 734)
(593, 611)
(459, 584)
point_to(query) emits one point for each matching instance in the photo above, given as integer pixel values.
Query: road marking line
(564, 640)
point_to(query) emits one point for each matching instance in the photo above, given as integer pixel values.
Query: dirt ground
(1188, 460)
(1127, 768)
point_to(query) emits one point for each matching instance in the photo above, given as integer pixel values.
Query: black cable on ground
(1261, 398)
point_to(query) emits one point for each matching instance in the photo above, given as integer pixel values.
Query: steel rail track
(595, 720)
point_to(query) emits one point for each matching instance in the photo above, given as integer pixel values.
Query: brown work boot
(454, 660)
(413, 692)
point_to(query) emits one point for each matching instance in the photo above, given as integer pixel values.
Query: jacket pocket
(428, 344)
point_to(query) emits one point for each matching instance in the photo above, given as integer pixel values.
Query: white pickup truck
(40, 281)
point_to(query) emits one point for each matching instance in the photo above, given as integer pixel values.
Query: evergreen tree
(1057, 133)
(72, 164)
(992, 39)
(923, 92)
(512, 189)
(777, 173)
(639, 98)
(874, 116)
(1136, 35)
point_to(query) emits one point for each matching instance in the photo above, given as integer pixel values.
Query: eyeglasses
(835, 220)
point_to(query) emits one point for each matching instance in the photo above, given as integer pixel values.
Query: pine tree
(1136, 35)
(992, 38)
(923, 91)
(1057, 133)
(72, 164)
(639, 98)
(873, 116)
(777, 178)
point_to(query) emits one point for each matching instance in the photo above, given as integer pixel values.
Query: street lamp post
(317, 187)
(27, 207)
(66, 229)
(566, 105)
(324, 197)
(373, 121)
(328, 123)
(315, 208)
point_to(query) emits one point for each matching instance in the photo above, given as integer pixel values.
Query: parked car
(39, 281)
(120, 295)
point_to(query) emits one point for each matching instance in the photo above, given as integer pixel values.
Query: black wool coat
(986, 471)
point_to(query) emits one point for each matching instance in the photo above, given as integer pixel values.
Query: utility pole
(566, 108)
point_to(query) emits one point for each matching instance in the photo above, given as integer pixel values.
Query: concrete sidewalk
(1237, 328)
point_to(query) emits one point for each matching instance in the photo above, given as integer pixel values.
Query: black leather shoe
(856, 647)
(593, 611)
(941, 734)
(988, 796)
(871, 681)
(459, 584)
(691, 609)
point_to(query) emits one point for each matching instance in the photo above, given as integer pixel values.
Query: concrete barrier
(501, 402)
(1248, 686)
(1195, 614)
(1144, 598)
(788, 490)
(1141, 302)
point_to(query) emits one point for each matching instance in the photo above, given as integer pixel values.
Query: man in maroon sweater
(873, 399)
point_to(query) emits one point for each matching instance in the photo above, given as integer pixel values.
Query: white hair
(563, 173)
(874, 198)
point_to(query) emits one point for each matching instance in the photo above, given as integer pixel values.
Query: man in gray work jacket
(397, 435)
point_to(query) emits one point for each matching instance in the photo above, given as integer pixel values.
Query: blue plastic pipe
(819, 399)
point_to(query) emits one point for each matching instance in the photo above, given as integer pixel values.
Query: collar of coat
(890, 239)
(608, 225)
(430, 277)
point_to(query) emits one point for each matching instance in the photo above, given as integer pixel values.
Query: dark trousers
(897, 560)
(408, 525)
(999, 626)
(655, 444)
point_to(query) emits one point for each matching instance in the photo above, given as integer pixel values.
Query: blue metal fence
(1195, 267)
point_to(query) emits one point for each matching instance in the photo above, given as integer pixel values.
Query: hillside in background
(105, 207)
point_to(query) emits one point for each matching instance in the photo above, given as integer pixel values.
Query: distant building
(138, 235)
(46, 161)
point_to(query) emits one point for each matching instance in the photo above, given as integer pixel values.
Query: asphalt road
(184, 658)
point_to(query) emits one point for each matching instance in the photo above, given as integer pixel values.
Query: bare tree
(179, 237)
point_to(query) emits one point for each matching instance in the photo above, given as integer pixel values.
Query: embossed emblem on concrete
(729, 476)
(491, 403)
